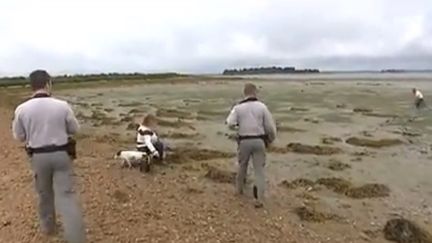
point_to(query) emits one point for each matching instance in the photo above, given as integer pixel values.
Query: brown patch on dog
(363, 142)
(405, 231)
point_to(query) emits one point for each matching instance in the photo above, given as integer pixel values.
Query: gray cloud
(119, 36)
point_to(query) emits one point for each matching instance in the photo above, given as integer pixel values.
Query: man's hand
(233, 127)
(155, 154)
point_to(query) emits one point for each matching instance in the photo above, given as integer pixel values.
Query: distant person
(45, 123)
(418, 100)
(147, 140)
(256, 130)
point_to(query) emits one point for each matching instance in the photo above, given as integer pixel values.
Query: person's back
(46, 121)
(253, 119)
(256, 129)
(44, 124)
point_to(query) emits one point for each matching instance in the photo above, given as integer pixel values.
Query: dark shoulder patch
(250, 99)
(118, 153)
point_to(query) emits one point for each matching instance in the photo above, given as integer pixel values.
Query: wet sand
(356, 144)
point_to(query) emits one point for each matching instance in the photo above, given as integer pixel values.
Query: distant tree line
(9, 81)
(268, 70)
(393, 71)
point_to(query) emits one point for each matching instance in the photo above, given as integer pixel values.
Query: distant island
(393, 71)
(406, 70)
(268, 70)
(78, 78)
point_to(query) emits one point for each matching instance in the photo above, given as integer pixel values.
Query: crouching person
(256, 130)
(147, 139)
(418, 99)
(44, 123)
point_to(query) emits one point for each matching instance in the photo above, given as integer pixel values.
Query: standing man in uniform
(45, 123)
(256, 130)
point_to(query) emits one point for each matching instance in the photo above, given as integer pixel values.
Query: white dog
(130, 157)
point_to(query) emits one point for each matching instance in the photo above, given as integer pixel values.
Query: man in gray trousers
(45, 123)
(256, 130)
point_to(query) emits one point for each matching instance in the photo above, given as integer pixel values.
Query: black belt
(48, 149)
(264, 137)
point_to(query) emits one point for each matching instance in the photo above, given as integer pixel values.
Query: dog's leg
(129, 163)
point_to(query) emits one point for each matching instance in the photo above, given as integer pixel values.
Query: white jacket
(145, 138)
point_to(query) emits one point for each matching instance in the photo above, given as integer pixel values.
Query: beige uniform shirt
(44, 121)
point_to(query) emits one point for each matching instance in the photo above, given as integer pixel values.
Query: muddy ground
(349, 157)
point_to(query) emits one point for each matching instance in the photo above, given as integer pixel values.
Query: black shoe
(255, 192)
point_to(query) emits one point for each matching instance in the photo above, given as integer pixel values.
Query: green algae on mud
(308, 213)
(364, 142)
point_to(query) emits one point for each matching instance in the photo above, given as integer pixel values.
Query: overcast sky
(81, 36)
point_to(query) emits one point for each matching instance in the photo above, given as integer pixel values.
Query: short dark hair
(249, 89)
(39, 79)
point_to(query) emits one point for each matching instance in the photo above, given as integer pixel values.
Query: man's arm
(269, 125)
(232, 119)
(149, 144)
(72, 125)
(18, 127)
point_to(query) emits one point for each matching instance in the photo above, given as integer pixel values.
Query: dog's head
(117, 154)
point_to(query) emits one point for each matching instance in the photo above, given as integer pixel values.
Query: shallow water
(404, 169)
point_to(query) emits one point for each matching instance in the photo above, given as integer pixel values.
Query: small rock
(6, 223)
